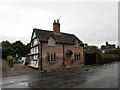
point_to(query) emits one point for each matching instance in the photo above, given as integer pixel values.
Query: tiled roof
(44, 35)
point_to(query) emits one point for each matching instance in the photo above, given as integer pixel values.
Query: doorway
(68, 58)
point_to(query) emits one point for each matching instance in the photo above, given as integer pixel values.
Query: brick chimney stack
(56, 27)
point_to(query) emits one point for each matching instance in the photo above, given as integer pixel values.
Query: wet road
(88, 77)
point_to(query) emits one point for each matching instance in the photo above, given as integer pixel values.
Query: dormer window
(77, 44)
(51, 41)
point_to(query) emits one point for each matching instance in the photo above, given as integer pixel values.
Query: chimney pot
(57, 20)
(56, 27)
(54, 21)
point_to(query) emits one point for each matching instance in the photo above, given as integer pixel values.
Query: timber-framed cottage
(55, 49)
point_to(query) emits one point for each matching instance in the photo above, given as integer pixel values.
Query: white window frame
(77, 56)
(51, 42)
(77, 44)
(51, 57)
(35, 57)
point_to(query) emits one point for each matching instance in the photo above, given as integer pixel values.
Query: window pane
(48, 57)
(79, 56)
(51, 57)
(54, 56)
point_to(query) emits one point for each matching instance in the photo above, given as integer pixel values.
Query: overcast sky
(92, 21)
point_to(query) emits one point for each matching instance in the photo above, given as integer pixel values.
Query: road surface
(104, 76)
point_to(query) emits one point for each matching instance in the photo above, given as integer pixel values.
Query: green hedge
(107, 58)
(16, 61)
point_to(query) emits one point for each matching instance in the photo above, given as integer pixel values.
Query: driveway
(104, 76)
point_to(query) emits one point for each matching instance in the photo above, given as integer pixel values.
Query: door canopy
(69, 52)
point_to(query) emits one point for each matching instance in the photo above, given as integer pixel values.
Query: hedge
(107, 58)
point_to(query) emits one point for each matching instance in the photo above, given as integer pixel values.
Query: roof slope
(44, 35)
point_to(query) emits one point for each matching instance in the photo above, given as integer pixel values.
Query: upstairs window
(77, 44)
(77, 56)
(51, 57)
(51, 42)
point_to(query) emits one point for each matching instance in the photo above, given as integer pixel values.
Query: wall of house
(76, 50)
(58, 49)
(34, 52)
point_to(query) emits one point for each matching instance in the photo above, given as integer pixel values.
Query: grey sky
(92, 22)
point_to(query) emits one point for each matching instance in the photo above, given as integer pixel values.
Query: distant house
(54, 49)
(108, 47)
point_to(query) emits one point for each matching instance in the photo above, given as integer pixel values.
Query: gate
(91, 58)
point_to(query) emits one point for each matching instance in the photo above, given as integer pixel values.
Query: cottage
(54, 49)
(108, 47)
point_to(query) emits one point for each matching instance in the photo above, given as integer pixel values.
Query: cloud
(92, 22)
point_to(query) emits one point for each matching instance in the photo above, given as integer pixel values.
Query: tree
(7, 49)
(19, 48)
(27, 49)
(93, 49)
(5, 44)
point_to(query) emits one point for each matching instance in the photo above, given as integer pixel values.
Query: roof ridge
(52, 31)
(42, 30)
(68, 33)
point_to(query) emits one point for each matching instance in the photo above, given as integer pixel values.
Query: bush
(9, 57)
(16, 61)
(107, 58)
(113, 52)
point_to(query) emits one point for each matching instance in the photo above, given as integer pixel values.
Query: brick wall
(58, 49)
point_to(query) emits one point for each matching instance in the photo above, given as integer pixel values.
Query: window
(77, 56)
(51, 57)
(36, 49)
(77, 44)
(32, 51)
(51, 42)
(35, 57)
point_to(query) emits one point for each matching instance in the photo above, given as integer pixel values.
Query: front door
(68, 61)
(68, 58)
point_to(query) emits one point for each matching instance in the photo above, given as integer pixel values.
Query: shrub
(107, 58)
(16, 61)
(113, 52)
(9, 57)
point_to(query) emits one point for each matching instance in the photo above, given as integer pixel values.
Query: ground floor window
(51, 57)
(77, 56)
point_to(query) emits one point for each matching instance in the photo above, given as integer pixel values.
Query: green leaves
(93, 49)
(11, 49)
(113, 52)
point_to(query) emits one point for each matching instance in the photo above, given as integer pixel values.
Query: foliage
(9, 57)
(14, 48)
(113, 52)
(93, 49)
(7, 49)
(107, 58)
(19, 48)
(16, 61)
(5, 44)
